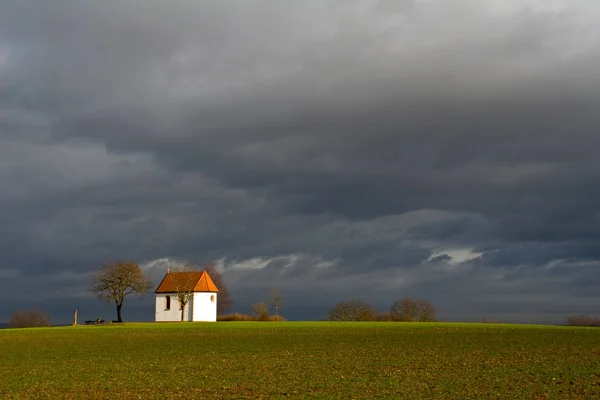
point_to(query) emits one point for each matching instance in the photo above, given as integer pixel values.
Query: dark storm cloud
(336, 150)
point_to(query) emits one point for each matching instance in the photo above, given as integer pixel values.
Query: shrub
(260, 312)
(246, 317)
(275, 318)
(383, 317)
(28, 319)
(235, 317)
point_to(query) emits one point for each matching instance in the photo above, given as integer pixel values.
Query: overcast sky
(336, 150)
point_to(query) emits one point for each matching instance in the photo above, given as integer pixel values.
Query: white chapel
(202, 305)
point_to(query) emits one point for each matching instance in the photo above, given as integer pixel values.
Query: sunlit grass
(322, 359)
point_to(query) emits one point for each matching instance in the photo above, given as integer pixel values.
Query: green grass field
(312, 359)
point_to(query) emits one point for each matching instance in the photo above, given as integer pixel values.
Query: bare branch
(225, 301)
(410, 310)
(354, 310)
(116, 280)
(28, 318)
(276, 302)
(183, 275)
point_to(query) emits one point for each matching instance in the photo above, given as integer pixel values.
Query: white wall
(205, 309)
(173, 314)
(200, 308)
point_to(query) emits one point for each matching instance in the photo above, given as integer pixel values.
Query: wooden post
(74, 317)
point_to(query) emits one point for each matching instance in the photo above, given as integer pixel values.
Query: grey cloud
(381, 137)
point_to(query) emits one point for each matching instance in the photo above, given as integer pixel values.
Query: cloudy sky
(333, 149)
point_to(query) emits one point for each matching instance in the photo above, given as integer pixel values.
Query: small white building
(202, 305)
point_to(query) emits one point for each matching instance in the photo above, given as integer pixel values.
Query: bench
(95, 322)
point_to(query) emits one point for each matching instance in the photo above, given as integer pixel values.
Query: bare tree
(404, 310)
(260, 311)
(184, 276)
(28, 319)
(276, 302)
(427, 312)
(225, 301)
(354, 310)
(410, 310)
(116, 280)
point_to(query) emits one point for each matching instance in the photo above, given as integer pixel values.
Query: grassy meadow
(300, 359)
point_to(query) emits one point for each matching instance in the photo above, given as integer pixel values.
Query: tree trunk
(182, 311)
(119, 306)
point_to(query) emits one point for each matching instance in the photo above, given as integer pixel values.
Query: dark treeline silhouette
(406, 309)
(583, 320)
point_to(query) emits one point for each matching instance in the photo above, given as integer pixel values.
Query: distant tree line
(406, 309)
(583, 320)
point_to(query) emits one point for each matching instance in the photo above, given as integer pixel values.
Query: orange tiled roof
(196, 281)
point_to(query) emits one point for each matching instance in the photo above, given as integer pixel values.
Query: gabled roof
(195, 281)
